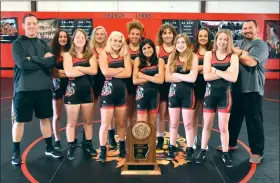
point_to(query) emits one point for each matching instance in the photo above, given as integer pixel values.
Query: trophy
(141, 150)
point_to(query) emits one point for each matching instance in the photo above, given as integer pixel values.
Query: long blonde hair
(230, 40)
(92, 42)
(124, 49)
(188, 54)
(87, 52)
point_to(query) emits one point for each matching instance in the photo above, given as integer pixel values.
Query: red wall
(151, 21)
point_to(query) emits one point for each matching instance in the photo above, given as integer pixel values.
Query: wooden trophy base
(141, 150)
(140, 169)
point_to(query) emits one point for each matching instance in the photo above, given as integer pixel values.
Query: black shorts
(181, 96)
(25, 102)
(98, 84)
(199, 87)
(163, 91)
(214, 99)
(146, 100)
(78, 94)
(60, 85)
(113, 96)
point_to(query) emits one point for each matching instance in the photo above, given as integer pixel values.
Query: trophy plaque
(141, 150)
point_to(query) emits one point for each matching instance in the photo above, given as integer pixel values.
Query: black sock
(48, 141)
(89, 141)
(112, 131)
(103, 147)
(16, 147)
(75, 141)
(72, 143)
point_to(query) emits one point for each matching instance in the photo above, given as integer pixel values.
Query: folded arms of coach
(20, 59)
(46, 61)
(35, 62)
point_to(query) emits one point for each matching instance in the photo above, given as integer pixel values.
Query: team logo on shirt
(208, 90)
(172, 90)
(139, 92)
(56, 83)
(70, 90)
(107, 88)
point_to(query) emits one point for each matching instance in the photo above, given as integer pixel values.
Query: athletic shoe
(89, 149)
(54, 153)
(103, 153)
(226, 159)
(189, 157)
(201, 156)
(171, 152)
(16, 158)
(255, 158)
(71, 152)
(56, 145)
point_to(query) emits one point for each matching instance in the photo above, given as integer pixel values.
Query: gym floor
(39, 168)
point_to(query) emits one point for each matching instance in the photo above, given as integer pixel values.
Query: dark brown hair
(56, 47)
(28, 15)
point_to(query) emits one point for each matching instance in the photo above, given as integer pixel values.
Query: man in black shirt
(32, 86)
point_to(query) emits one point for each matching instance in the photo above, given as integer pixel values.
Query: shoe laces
(226, 157)
(202, 153)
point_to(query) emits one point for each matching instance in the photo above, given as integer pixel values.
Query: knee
(71, 124)
(174, 126)
(56, 117)
(188, 126)
(207, 127)
(88, 122)
(121, 125)
(104, 126)
(223, 130)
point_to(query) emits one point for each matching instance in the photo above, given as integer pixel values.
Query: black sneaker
(171, 152)
(112, 139)
(16, 158)
(160, 141)
(201, 156)
(56, 145)
(71, 152)
(103, 153)
(189, 157)
(54, 153)
(89, 149)
(122, 150)
(226, 159)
